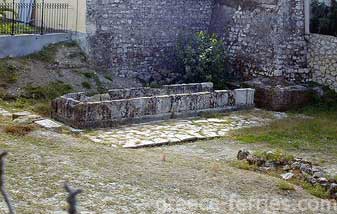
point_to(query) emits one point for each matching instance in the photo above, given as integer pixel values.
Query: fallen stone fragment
(287, 176)
(49, 124)
(25, 120)
(4, 113)
(20, 114)
(286, 168)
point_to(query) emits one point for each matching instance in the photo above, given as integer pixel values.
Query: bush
(324, 18)
(202, 58)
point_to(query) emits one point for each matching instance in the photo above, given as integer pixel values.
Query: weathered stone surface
(176, 131)
(263, 37)
(137, 38)
(124, 107)
(49, 124)
(21, 114)
(28, 119)
(322, 59)
(4, 113)
(279, 95)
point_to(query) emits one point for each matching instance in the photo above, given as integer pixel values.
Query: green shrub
(202, 58)
(283, 185)
(8, 72)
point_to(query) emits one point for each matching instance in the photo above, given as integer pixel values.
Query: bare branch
(2, 183)
(71, 199)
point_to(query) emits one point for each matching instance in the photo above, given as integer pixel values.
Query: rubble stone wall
(264, 37)
(322, 57)
(136, 38)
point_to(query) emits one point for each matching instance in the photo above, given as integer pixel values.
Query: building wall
(264, 37)
(322, 58)
(136, 38)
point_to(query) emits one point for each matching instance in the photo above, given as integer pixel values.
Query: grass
(50, 91)
(318, 133)
(243, 164)
(315, 190)
(48, 53)
(283, 185)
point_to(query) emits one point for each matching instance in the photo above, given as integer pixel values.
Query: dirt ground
(186, 178)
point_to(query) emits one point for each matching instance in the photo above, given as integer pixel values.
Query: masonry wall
(135, 38)
(264, 37)
(322, 58)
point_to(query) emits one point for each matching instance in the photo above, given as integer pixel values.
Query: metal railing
(33, 18)
(324, 17)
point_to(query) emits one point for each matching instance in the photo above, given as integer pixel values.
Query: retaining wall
(21, 45)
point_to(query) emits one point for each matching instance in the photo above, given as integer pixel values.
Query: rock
(24, 120)
(333, 190)
(243, 154)
(306, 168)
(253, 160)
(270, 164)
(286, 168)
(312, 180)
(287, 176)
(322, 180)
(318, 174)
(296, 165)
(49, 124)
(5, 114)
(20, 114)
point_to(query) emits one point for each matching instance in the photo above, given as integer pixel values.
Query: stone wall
(135, 38)
(264, 37)
(322, 57)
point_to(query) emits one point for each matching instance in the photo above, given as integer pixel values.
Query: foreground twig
(71, 199)
(2, 183)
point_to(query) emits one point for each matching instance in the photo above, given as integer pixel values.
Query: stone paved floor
(176, 131)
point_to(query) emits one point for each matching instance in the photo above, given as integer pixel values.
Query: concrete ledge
(77, 111)
(21, 45)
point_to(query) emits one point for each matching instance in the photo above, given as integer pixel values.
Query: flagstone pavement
(177, 131)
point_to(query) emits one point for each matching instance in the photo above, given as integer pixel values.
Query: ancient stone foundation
(120, 106)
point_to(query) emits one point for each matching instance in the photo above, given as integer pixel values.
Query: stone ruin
(122, 106)
(293, 168)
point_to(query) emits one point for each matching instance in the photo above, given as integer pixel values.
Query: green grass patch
(243, 164)
(283, 185)
(318, 133)
(275, 156)
(48, 53)
(315, 190)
